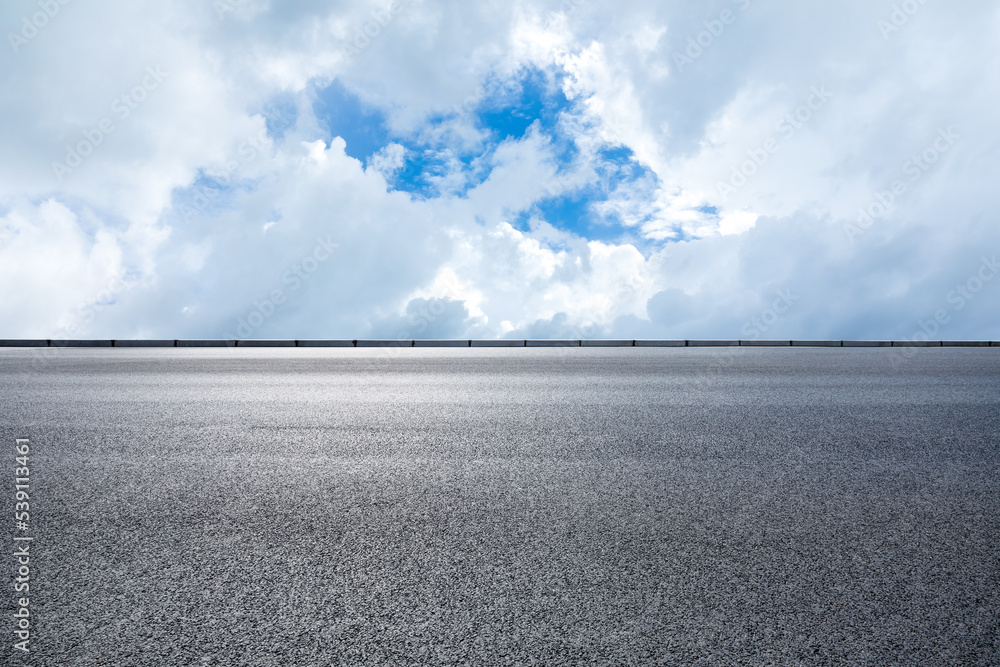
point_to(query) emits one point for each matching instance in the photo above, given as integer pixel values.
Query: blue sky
(449, 169)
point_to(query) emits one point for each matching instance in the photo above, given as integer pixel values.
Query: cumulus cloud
(525, 168)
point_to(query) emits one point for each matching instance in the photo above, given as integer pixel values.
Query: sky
(497, 169)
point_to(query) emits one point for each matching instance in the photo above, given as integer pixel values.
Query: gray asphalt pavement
(508, 507)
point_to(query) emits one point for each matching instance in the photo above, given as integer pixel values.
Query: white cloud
(737, 222)
(55, 267)
(201, 214)
(389, 160)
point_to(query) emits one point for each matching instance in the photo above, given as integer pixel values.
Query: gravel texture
(741, 506)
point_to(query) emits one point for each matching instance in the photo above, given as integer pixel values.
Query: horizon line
(472, 342)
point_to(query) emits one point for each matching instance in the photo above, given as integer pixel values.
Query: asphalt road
(491, 507)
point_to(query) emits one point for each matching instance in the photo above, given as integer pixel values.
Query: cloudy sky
(515, 168)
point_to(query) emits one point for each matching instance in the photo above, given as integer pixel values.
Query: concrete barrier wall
(326, 343)
(499, 343)
(26, 342)
(145, 343)
(266, 343)
(552, 343)
(867, 343)
(607, 343)
(517, 342)
(385, 343)
(81, 343)
(206, 343)
(661, 343)
(442, 343)
(817, 343)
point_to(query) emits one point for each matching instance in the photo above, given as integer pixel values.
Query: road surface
(491, 507)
